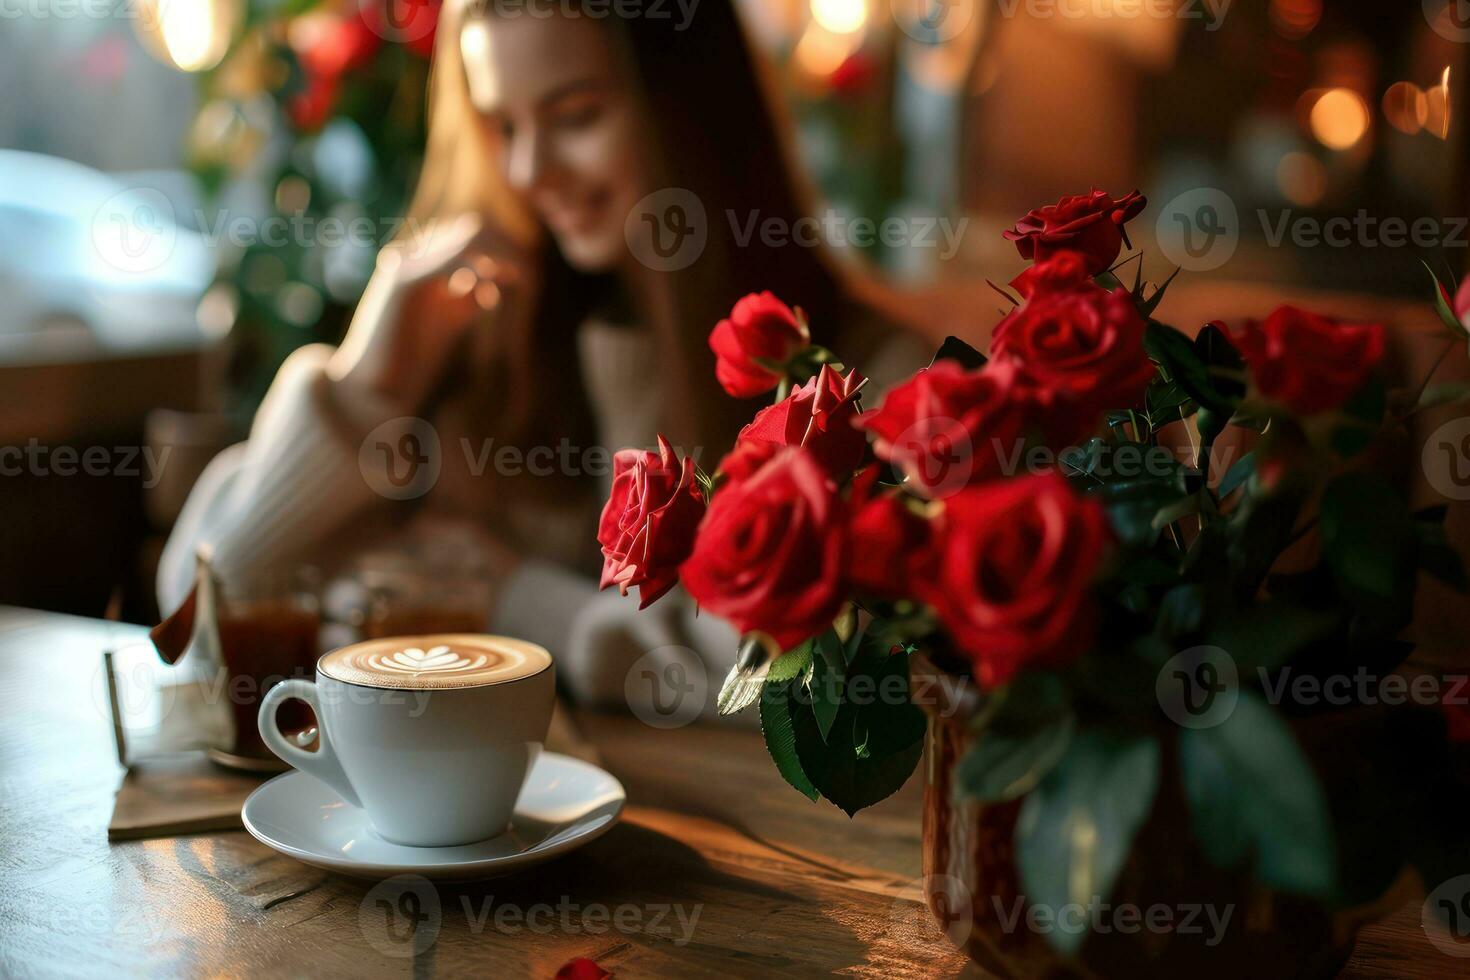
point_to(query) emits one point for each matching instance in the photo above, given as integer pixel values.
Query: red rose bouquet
(1086, 527)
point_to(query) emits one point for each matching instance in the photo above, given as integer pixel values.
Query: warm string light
(1406, 107)
(193, 35)
(1295, 19)
(840, 16)
(1339, 118)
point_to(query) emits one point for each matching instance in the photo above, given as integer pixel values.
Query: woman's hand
(424, 296)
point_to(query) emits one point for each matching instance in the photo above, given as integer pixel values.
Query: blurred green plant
(307, 143)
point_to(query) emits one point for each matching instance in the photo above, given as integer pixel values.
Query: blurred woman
(524, 320)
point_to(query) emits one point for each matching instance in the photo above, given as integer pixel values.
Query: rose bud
(759, 328)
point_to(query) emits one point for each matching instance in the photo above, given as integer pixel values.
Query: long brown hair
(717, 134)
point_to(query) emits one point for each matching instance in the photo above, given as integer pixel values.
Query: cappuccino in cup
(432, 736)
(434, 663)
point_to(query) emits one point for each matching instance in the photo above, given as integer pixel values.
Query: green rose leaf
(1002, 766)
(1442, 306)
(876, 738)
(1448, 393)
(824, 693)
(1255, 798)
(791, 663)
(1177, 355)
(1076, 829)
(779, 728)
(955, 349)
(1367, 535)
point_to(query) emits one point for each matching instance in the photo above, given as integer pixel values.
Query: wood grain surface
(717, 869)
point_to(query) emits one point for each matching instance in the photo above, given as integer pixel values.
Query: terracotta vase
(972, 885)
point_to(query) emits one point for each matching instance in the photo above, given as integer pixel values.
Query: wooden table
(768, 883)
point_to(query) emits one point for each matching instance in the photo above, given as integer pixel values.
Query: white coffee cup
(421, 734)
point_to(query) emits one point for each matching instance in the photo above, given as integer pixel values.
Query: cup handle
(323, 762)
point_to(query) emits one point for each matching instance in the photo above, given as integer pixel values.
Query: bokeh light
(1405, 107)
(1339, 118)
(1295, 19)
(195, 33)
(840, 16)
(1437, 107)
(1302, 178)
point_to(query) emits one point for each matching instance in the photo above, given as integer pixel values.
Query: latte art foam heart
(435, 662)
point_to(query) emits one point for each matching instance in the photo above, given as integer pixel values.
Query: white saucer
(565, 803)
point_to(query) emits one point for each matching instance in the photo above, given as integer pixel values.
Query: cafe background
(242, 132)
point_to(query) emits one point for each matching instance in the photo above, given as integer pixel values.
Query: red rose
(947, 427)
(888, 552)
(818, 415)
(649, 522)
(770, 552)
(760, 328)
(1062, 271)
(1089, 224)
(1308, 362)
(1083, 351)
(1016, 559)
